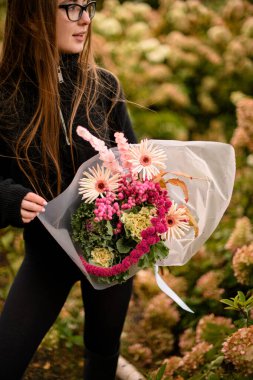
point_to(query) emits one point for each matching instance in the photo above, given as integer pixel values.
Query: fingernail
(44, 203)
(43, 210)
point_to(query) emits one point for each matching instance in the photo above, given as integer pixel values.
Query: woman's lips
(79, 36)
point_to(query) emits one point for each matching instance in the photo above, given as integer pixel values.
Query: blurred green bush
(183, 60)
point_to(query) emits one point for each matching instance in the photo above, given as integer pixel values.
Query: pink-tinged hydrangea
(238, 350)
(145, 285)
(139, 352)
(172, 364)
(213, 321)
(161, 339)
(208, 284)
(193, 359)
(160, 312)
(187, 340)
(243, 265)
(243, 134)
(241, 235)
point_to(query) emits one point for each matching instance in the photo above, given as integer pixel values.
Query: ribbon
(169, 292)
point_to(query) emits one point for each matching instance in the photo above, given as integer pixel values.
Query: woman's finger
(35, 198)
(28, 214)
(31, 206)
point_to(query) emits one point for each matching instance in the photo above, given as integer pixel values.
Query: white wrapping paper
(212, 168)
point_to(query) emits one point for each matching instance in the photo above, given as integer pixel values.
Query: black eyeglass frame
(83, 8)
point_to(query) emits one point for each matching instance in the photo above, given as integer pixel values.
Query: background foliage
(186, 69)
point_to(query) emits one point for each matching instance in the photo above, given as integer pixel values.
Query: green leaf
(241, 296)
(124, 245)
(241, 323)
(109, 228)
(213, 376)
(217, 362)
(236, 301)
(160, 373)
(227, 302)
(249, 301)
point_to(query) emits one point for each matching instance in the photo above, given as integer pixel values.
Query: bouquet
(134, 212)
(126, 214)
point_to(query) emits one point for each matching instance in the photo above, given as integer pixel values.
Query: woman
(49, 84)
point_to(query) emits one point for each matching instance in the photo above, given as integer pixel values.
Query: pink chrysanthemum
(177, 222)
(96, 183)
(147, 159)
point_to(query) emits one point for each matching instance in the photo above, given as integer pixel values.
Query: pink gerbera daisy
(147, 159)
(97, 182)
(177, 222)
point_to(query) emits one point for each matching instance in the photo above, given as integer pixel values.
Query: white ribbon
(169, 292)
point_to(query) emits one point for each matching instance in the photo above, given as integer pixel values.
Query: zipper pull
(60, 77)
(64, 128)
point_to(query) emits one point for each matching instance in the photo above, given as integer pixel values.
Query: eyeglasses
(75, 11)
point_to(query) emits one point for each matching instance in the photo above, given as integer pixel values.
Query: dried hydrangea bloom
(195, 358)
(172, 93)
(208, 284)
(161, 340)
(145, 285)
(243, 265)
(172, 364)
(140, 352)
(234, 10)
(238, 350)
(212, 320)
(161, 312)
(187, 340)
(243, 135)
(241, 235)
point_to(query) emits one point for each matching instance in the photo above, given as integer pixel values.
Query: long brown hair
(30, 36)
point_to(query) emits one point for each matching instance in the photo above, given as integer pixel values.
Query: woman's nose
(85, 19)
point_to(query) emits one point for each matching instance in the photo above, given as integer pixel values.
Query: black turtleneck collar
(69, 60)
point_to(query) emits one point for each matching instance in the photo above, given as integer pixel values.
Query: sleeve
(11, 195)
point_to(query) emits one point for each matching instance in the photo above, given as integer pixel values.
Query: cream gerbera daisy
(147, 159)
(177, 222)
(97, 182)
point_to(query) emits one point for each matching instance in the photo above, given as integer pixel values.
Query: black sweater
(13, 183)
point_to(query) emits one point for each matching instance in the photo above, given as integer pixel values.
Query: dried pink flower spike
(105, 154)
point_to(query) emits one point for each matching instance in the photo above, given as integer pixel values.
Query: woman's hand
(31, 205)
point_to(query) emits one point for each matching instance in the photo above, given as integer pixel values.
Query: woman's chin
(73, 50)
